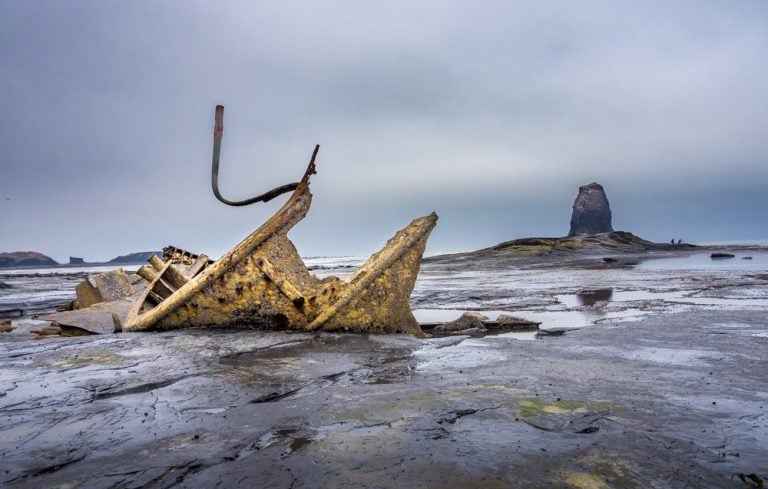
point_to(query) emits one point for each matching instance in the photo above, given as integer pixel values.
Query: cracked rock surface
(678, 401)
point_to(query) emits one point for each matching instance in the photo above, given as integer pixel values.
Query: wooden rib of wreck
(263, 282)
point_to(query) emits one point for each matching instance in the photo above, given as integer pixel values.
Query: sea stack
(591, 211)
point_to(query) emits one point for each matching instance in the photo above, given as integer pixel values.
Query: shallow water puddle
(599, 299)
(743, 260)
(569, 319)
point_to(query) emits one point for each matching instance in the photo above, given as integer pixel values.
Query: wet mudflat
(672, 392)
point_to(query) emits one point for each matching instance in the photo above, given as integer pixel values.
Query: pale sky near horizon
(490, 113)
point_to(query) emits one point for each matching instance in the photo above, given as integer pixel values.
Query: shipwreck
(262, 282)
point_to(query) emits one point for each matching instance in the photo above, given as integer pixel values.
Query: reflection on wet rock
(594, 297)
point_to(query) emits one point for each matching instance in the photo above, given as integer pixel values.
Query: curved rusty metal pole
(218, 131)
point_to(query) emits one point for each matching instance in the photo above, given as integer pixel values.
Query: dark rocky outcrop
(73, 260)
(591, 211)
(468, 323)
(505, 322)
(26, 259)
(721, 256)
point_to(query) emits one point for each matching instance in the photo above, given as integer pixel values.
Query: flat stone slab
(96, 319)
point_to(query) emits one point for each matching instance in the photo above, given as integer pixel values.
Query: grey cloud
(490, 113)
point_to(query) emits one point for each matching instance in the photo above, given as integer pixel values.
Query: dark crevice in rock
(138, 389)
(277, 396)
(451, 417)
(47, 469)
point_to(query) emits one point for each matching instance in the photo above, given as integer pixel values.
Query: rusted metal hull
(262, 282)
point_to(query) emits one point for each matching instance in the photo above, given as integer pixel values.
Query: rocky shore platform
(674, 395)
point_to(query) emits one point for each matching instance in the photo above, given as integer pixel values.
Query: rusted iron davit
(262, 282)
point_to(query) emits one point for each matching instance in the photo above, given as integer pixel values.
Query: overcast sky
(489, 113)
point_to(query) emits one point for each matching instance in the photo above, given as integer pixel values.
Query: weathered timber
(156, 262)
(147, 273)
(175, 277)
(197, 266)
(180, 256)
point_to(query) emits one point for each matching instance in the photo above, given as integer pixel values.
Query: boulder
(113, 285)
(6, 326)
(591, 211)
(52, 330)
(473, 321)
(103, 287)
(87, 295)
(515, 323)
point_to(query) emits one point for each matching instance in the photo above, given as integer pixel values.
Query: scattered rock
(103, 287)
(67, 306)
(477, 332)
(87, 295)
(594, 297)
(6, 326)
(469, 321)
(609, 259)
(52, 330)
(721, 255)
(113, 285)
(542, 333)
(746, 257)
(591, 211)
(515, 323)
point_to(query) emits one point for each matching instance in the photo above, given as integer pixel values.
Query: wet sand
(665, 387)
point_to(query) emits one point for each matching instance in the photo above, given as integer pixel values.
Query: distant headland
(591, 230)
(26, 259)
(33, 259)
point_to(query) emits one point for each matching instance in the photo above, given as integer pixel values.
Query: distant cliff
(26, 259)
(591, 233)
(138, 257)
